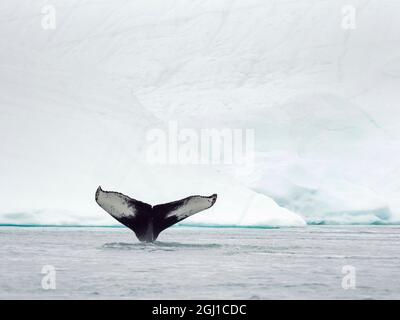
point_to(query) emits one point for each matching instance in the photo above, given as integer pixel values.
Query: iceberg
(77, 102)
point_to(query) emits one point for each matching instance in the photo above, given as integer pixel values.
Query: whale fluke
(149, 221)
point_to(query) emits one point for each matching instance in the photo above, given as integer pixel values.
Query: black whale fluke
(148, 221)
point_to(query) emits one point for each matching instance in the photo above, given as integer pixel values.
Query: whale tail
(149, 221)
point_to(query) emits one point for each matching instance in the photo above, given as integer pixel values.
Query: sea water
(314, 262)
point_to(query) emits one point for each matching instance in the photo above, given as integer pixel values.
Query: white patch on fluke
(192, 206)
(115, 204)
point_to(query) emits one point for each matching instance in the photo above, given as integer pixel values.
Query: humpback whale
(148, 221)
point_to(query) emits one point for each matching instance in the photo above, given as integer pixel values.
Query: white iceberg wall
(76, 103)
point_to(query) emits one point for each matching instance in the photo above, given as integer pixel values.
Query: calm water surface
(201, 263)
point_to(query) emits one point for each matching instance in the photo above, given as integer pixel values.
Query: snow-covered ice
(76, 103)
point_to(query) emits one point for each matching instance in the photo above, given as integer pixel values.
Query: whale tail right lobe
(167, 214)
